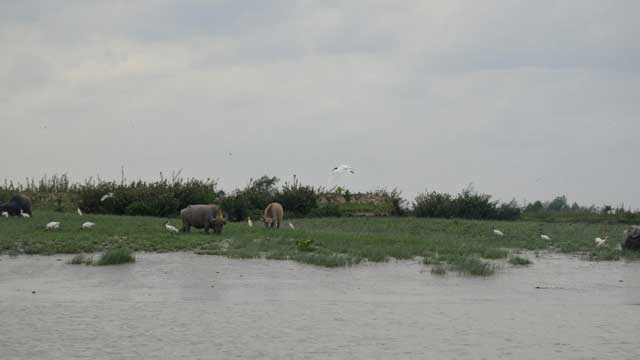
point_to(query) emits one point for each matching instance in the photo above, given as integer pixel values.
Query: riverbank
(323, 241)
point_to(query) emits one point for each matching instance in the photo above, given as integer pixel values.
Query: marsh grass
(473, 266)
(519, 261)
(439, 269)
(494, 254)
(604, 254)
(355, 239)
(81, 259)
(116, 256)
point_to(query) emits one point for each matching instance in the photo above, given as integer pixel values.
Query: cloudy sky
(526, 99)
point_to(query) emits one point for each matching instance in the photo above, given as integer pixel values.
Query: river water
(186, 306)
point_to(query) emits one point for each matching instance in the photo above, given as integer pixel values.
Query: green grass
(116, 256)
(320, 241)
(495, 254)
(519, 261)
(473, 266)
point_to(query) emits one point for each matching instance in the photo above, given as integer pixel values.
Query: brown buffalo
(273, 215)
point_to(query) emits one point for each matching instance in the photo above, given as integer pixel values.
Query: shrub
(116, 256)
(467, 204)
(298, 199)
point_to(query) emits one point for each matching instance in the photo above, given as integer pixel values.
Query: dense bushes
(468, 204)
(297, 199)
(161, 198)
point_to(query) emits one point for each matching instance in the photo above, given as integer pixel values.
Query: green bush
(297, 199)
(468, 204)
(116, 256)
(328, 210)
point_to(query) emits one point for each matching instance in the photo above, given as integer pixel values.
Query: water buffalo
(15, 204)
(202, 216)
(273, 215)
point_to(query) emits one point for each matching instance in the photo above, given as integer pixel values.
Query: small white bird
(291, 226)
(106, 196)
(599, 242)
(24, 214)
(343, 168)
(5, 214)
(545, 237)
(79, 212)
(249, 222)
(498, 232)
(53, 225)
(171, 227)
(88, 225)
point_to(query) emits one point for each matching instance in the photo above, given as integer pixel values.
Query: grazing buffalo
(202, 216)
(16, 204)
(273, 215)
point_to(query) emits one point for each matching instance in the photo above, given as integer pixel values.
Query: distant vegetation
(166, 196)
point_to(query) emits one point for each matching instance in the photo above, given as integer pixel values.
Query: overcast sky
(526, 99)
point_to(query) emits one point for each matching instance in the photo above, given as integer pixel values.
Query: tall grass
(116, 256)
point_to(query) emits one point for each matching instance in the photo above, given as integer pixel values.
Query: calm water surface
(185, 306)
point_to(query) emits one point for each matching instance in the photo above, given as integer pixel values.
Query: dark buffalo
(15, 204)
(202, 216)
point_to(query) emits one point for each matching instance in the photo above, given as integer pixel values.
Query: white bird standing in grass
(171, 227)
(249, 222)
(88, 225)
(53, 225)
(599, 242)
(498, 232)
(106, 196)
(24, 214)
(291, 226)
(545, 237)
(79, 212)
(5, 214)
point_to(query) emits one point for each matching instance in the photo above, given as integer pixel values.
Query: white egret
(599, 242)
(106, 196)
(171, 227)
(249, 222)
(88, 225)
(53, 225)
(79, 212)
(5, 214)
(498, 232)
(545, 237)
(291, 226)
(342, 169)
(24, 214)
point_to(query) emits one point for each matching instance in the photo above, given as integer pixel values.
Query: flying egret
(171, 227)
(79, 212)
(498, 232)
(106, 196)
(24, 214)
(5, 214)
(337, 171)
(599, 242)
(53, 225)
(545, 237)
(249, 222)
(291, 226)
(342, 169)
(88, 225)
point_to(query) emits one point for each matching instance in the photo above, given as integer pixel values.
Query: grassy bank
(323, 241)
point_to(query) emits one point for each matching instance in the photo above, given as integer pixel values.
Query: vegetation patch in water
(519, 261)
(116, 256)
